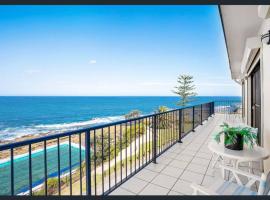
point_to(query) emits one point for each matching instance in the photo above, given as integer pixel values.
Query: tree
(52, 185)
(185, 89)
(162, 120)
(133, 114)
(162, 109)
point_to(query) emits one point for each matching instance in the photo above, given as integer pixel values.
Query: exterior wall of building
(266, 101)
(259, 24)
(264, 57)
(265, 88)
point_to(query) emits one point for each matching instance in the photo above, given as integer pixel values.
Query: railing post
(211, 105)
(208, 111)
(155, 140)
(193, 119)
(213, 108)
(210, 114)
(88, 163)
(201, 114)
(12, 171)
(180, 126)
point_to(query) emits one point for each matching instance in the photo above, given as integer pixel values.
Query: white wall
(260, 26)
(265, 86)
(266, 101)
(264, 57)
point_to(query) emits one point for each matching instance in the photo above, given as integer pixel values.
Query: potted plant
(235, 137)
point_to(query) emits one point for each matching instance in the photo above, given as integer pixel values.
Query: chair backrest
(264, 186)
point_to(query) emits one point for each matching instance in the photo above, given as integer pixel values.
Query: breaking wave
(11, 133)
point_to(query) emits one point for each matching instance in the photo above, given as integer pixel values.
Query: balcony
(184, 163)
(158, 154)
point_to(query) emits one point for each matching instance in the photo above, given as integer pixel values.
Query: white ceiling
(239, 23)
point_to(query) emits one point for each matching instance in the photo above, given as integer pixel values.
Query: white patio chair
(223, 187)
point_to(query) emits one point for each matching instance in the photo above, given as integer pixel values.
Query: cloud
(92, 62)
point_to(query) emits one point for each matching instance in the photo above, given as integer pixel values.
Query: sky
(112, 50)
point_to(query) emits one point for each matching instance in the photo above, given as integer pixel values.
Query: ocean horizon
(34, 115)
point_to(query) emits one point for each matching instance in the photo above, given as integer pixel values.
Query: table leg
(236, 164)
(261, 166)
(250, 167)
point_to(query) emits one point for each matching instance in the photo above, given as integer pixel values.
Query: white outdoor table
(245, 155)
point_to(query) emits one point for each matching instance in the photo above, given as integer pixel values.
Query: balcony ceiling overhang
(241, 24)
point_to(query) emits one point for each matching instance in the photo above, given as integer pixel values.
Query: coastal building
(246, 32)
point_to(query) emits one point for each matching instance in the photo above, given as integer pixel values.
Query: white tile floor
(179, 166)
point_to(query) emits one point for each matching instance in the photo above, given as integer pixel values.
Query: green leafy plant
(249, 134)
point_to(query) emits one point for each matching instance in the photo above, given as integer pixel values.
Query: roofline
(222, 24)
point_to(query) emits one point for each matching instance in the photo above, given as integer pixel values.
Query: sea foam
(17, 132)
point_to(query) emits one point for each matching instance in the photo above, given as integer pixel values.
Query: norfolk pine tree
(185, 89)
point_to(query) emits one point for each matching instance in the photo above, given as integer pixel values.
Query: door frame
(256, 69)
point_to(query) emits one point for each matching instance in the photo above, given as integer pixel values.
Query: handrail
(150, 135)
(82, 130)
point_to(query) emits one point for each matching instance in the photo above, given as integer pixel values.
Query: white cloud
(92, 62)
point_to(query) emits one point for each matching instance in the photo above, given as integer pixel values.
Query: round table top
(255, 154)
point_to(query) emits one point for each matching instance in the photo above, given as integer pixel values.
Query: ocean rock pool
(21, 167)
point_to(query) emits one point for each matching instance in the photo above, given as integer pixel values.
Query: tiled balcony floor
(182, 164)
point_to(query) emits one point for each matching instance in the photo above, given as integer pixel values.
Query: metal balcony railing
(95, 160)
(228, 107)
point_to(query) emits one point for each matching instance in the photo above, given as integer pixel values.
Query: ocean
(20, 116)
